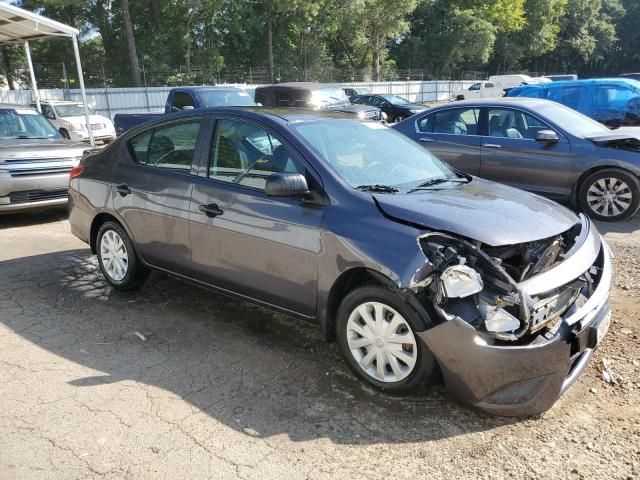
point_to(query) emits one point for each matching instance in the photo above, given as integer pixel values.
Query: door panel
(511, 155)
(152, 192)
(262, 247)
(452, 136)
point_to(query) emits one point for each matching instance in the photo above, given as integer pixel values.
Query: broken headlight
(462, 281)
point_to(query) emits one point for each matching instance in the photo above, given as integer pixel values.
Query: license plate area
(599, 327)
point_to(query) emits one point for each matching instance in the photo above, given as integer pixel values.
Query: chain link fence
(61, 75)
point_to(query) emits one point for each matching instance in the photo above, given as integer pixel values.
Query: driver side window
(171, 147)
(246, 154)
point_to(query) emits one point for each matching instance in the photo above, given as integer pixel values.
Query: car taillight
(75, 171)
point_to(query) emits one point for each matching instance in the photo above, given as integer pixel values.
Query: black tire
(136, 273)
(606, 181)
(65, 134)
(425, 369)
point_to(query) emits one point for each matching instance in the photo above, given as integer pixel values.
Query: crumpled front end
(518, 323)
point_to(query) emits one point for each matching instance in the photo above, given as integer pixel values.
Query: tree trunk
(6, 67)
(131, 44)
(156, 11)
(270, 44)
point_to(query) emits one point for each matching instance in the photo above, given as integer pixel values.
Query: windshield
(575, 123)
(395, 100)
(25, 124)
(71, 110)
(328, 96)
(225, 98)
(371, 154)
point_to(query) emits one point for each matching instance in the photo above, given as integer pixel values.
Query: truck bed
(126, 121)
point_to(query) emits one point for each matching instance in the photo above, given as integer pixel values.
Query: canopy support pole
(36, 95)
(76, 51)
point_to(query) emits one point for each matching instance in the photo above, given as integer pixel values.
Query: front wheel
(376, 332)
(118, 260)
(610, 195)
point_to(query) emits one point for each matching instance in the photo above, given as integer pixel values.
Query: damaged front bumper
(527, 379)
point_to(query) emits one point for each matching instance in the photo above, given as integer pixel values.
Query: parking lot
(176, 382)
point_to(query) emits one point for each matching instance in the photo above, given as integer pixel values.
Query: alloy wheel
(609, 197)
(113, 253)
(381, 342)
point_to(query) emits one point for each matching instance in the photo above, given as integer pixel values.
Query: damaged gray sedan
(417, 270)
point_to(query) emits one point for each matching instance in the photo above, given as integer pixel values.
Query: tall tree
(131, 44)
(450, 35)
(383, 20)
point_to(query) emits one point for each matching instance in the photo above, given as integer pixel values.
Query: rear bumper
(520, 380)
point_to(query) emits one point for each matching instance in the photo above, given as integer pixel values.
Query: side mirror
(547, 136)
(286, 185)
(50, 116)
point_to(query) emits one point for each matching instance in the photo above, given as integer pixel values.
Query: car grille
(37, 195)
(37, 166)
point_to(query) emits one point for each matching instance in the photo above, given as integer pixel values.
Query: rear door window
(569, 96)
(170, 147)
(457, 121)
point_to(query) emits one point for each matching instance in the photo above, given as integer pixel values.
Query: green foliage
(205, 41)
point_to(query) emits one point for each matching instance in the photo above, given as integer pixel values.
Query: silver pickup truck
(35, 161)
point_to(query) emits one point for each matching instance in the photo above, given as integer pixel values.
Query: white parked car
(495, 87)
(69, 119)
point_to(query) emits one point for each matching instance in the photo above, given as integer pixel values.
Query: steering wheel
(397, 167)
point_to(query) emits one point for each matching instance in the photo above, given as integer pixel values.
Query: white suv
(69, 119)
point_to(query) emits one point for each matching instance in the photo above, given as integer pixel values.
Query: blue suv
(612, 101)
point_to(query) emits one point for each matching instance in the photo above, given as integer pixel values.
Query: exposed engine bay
(482, 284)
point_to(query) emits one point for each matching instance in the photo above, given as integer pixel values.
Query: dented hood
(492, 213)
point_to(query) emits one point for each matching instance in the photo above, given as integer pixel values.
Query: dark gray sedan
(540, 146)
(412, 267)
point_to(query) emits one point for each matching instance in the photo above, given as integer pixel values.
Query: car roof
(13, 106)
(279, 114)
(300, 86)
(527, 102)
(60, 102)
(590, 81)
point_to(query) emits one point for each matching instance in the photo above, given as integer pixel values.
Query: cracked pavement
(225, 389)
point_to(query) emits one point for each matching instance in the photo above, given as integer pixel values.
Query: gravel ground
(176, 382)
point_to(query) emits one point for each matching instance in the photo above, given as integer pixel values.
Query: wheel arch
(97, 222)
(347, 281)
(575, 200)
(357, 277)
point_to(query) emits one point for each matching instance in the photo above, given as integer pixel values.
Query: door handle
(426, 140)
(123, 190)
(491, 145)
(211, 210)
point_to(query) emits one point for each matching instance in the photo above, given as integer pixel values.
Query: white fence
(110, 101)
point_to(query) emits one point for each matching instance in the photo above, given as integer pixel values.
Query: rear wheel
(610, 195)
(376, 332)
(118, 260)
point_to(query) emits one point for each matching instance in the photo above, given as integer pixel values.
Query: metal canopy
(21, 26)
